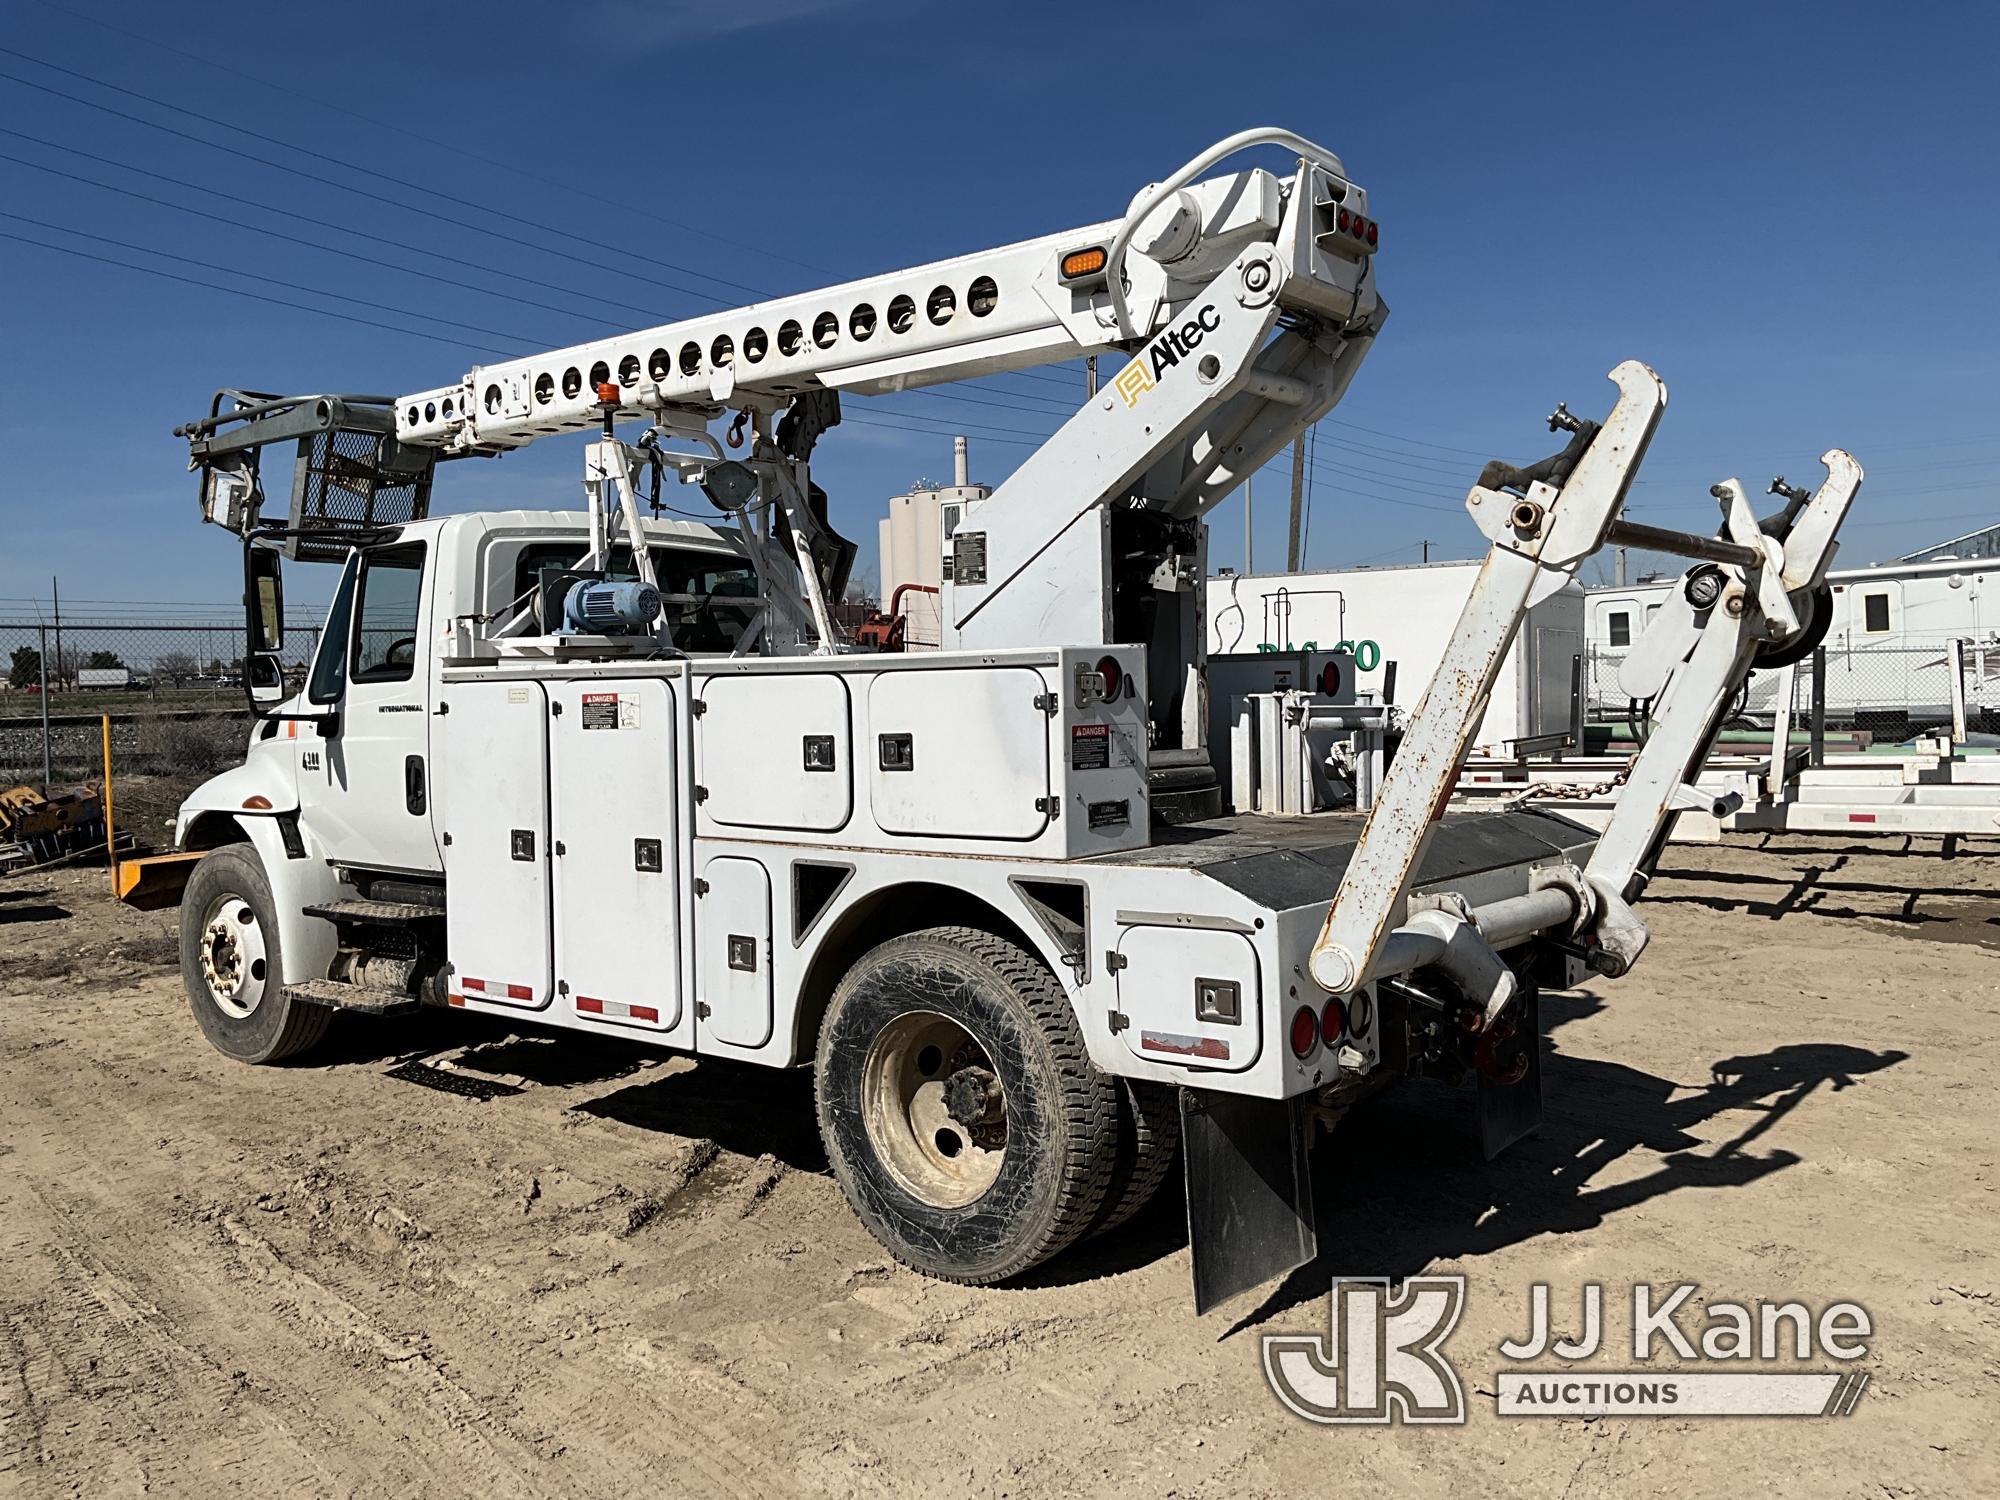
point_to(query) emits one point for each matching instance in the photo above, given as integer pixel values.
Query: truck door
(370, 791)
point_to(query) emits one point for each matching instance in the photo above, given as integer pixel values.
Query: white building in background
(915, 538)
(1887, 648)
(1405, 615)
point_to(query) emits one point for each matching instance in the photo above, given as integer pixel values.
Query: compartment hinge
(1048, 703)
(1050, 805)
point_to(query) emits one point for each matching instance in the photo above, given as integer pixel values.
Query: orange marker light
(608, 393)
(1083, 263)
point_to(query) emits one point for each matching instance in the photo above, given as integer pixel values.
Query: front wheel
(231, 965)
(961, 1115)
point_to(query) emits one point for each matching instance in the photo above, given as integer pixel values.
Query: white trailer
(621, 776)
(1401, 618)
(1888, 643)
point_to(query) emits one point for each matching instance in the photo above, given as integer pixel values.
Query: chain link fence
(173, 691)
(1891, 691)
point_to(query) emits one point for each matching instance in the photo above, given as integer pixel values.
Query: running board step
(337, 996)
(383, 913)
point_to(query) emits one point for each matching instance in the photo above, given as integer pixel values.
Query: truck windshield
(710, 596)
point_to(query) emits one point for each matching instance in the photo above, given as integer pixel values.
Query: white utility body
(620, 774)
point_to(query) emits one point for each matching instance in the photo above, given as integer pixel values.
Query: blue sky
(1787, 209)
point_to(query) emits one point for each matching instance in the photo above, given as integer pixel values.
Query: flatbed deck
(1294, 861)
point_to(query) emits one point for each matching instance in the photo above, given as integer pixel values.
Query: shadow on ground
(1406, 1187)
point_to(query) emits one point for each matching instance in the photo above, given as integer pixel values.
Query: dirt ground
(601, 1271)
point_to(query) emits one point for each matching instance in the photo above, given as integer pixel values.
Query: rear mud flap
(1509, 1111)
(1249, 1192)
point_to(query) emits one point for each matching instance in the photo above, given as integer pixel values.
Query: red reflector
(1373, 227)
(519, 992)
(645, 1013)
(1332, 1020)
(595, 1007)
(1329, 678)
(1344, 220)
(1861, 817)
(1305, 1030)
(1111, 675)
(473, 984)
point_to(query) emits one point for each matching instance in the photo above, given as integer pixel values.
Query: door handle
(413, 783)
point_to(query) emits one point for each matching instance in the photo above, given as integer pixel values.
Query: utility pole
(55, 595)
(1298, 502)
(1249, 537)
(1618, 563)
(1090, 375)
(1426, 545)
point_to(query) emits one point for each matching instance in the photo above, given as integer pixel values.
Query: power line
(358, 192)
(404, 312)
(237, 291)
(307, 151)
(287, 213)
(457, 148)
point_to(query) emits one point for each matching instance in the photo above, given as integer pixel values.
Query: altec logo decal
(1166, 351)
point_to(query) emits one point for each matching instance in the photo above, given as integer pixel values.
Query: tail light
(1110, 677)
(1305, 1031)
(1332, 1021)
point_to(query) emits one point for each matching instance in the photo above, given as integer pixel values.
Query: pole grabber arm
(1754, 592)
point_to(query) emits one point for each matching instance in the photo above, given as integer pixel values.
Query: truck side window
(1875, 611)
(329, 669)
(386, 619)
(1619, 625)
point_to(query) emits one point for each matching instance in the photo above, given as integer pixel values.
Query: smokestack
(961, 466)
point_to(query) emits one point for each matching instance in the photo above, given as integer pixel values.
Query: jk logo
(1382, 1359)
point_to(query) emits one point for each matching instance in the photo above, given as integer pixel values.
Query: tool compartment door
(493, 781)
(774, 750)
(618, 869)
(1174, 992)
(959, 753)
(733, 952)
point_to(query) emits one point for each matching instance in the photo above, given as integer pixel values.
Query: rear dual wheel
(960, 1110)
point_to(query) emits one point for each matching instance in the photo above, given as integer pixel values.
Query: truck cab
(351, 750)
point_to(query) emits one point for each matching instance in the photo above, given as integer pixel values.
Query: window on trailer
(1618, 624)
(1875, 613)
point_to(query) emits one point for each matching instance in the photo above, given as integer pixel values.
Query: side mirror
(263, 627)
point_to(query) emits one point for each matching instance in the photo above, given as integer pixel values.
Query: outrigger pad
(1249, 1192)
(1508, 1111)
